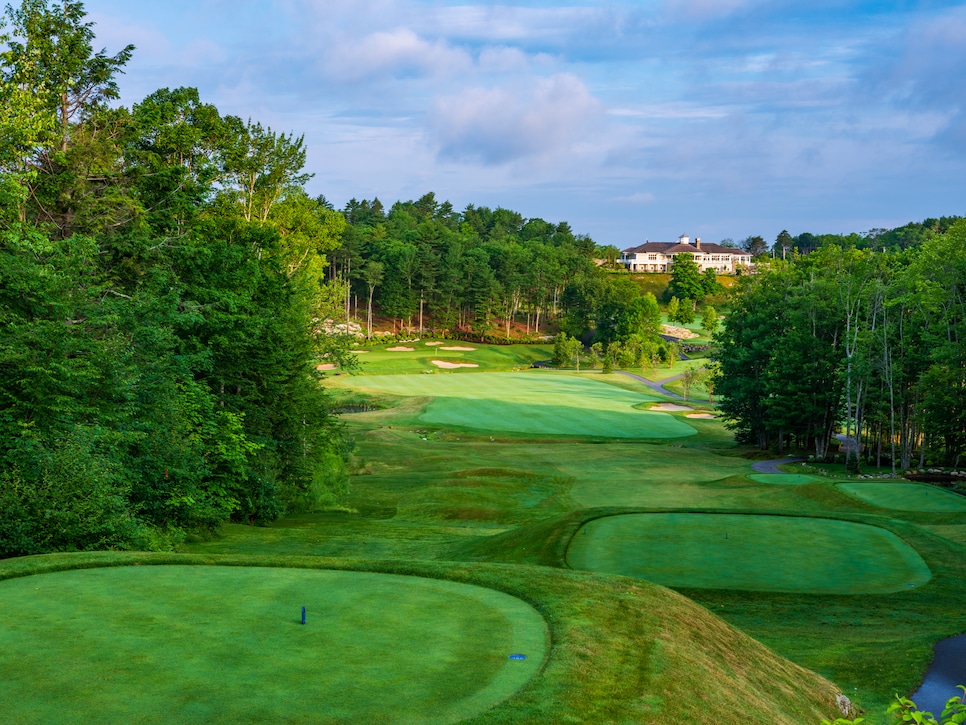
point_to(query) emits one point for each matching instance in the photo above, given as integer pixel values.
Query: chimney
(697, 242)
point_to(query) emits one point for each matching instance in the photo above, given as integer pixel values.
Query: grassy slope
(448, 494)
(621, 650)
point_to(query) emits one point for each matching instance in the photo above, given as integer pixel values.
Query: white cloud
(399, 52)
(541, 117)
(641, 198)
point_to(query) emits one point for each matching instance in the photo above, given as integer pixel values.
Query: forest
(867, 345)
(168, 288)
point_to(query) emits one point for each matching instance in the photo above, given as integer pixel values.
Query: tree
(686, 282)
(755, 245)
(692, 376)
(784, 242)
(373, 274)
(709, 320)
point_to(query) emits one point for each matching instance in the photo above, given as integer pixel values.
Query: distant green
(378, 360)
(749, 552)
(542, 403)
(905, 496)
(225, 645)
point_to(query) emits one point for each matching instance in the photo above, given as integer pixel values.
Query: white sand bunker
(669, 407)
(325, 366)
(462, 349)
(682, 333)
(706, 416)
(400, 349)
(432, 344)
(449, 365)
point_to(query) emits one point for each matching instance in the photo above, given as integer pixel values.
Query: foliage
(905, 710)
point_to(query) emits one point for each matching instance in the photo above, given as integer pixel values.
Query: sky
(632, 121)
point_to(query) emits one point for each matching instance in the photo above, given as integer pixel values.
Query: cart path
(772, 465)
(656, 387)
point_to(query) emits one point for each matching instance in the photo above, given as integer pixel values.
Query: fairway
(906, 496)
(782, 479)
(536, 403)
(197, 644)
(749, 552)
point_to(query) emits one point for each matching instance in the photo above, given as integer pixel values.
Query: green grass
(377, 360)
(906, 496)
(224, 644)
(537, 403)
(498, 508)
(621, 651)
(783, 479)
(755, 553)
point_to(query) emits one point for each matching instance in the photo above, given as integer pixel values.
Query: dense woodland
(872, 344)
(167, 288)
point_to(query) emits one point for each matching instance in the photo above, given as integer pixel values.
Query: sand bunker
(325, 366)
(431, 344)
(359, 352)
(669, 407)
(400, 349)
(706, 416)
(448, 365)
(682, 333)
(462, 349)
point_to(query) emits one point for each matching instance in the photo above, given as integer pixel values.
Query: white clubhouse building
(659, 256)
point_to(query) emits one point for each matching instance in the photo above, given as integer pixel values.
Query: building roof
(675, 247)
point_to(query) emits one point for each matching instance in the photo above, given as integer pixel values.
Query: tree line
(161, 278)
(872, 344)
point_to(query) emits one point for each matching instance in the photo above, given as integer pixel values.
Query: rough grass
(621, 650)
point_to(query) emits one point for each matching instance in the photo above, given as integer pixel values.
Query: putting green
(195, 644)
(757, 553)
(906, 496)
(536, 403)
(782, 479)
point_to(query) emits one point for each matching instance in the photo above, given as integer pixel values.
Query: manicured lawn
(537, 402)
(379, 360)
(756, 553)
(783, 479)
(906, 496)
(199, 644)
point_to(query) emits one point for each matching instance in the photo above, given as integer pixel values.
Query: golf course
(517, 545)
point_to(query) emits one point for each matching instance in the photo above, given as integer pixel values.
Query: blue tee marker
(303, 615)
(517, 657)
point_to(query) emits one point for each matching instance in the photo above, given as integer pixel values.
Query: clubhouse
(659, 256)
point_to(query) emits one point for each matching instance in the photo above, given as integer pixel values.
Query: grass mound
(620, 651)
(224, 644)
(906, 496)
(749, 552)
(538, 403)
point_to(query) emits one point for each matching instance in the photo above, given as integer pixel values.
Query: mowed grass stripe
(906, 496)
(537, 403)
(749, 552)
(197, 644)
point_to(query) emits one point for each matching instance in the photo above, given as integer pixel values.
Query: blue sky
(632, 121)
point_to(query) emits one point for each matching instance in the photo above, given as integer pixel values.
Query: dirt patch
(461, 349)
(400, 349)
(705, 416)
(682, 333)
(669, 407)
(325, 366)
(449, 365)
